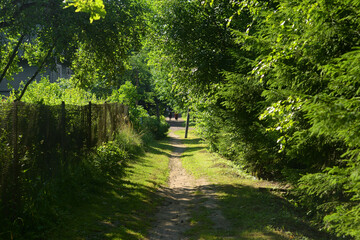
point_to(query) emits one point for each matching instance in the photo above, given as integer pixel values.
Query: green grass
(123, 207)
(253, 210)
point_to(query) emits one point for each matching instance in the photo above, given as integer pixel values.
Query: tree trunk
(34, 75)
(187, 122)
(12, 57)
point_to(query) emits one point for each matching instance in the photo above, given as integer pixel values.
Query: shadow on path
(192, 210)
(180, 123)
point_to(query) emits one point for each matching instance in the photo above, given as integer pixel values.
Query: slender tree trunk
(89, 126)
(12, 57)
(187, 122)
(34, 75)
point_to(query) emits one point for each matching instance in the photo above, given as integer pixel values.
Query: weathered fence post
(63, 133)
(89, 127)
(105, 126)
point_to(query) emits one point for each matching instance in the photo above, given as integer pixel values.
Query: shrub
(158, 128)
(110, 157)
(63, 90)
(128, 140)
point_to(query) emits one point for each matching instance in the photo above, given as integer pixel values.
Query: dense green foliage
(273, 86)
(149, 126)
(45, 33)
(55, 93)
(96, 8)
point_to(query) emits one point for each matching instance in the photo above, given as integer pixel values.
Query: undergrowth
(91, 176)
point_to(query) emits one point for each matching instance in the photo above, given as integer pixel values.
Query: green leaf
(95, 8)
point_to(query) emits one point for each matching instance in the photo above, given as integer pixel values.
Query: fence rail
(38, 141)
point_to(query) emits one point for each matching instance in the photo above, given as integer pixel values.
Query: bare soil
(173, 218)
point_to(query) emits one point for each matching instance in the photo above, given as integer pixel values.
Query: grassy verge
(123, 206)
(252, 208)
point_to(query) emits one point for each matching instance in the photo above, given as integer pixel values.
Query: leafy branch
(95, 8)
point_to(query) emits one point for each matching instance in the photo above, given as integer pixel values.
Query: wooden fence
(38, 141)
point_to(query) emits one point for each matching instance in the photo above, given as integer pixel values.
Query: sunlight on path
(173, 218)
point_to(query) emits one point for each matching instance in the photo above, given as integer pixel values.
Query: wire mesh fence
(39, 141)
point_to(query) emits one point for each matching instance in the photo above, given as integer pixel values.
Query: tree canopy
(273, 86)
(31, 30)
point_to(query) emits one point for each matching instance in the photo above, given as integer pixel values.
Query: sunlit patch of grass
(249, 205)
(124, 206)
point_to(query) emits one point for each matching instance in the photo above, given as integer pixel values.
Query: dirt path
(173, 218)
